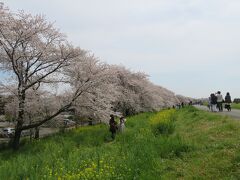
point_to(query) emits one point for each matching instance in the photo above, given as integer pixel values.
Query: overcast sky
(191, 47)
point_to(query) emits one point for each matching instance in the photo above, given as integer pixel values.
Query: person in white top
(219, 101)
(210, 104)
(122, 124)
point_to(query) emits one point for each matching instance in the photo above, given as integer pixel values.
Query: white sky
(188, 46)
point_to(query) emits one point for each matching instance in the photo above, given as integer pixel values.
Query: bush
(163, 122)
(173, 146)
(165, 127)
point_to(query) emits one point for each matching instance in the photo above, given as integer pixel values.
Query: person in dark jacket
(214, 102)
(228, 101)
(113, 126)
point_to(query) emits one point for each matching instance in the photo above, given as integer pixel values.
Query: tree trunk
(31, 134)
(16, 139)
(20, 119)
(36, 133)
(31, 130)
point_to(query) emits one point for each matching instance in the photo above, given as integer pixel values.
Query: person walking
(210, 104)
(228, 101)
(182, 104)
(122, 124)
(219, 101)
(214, 102)
(113, 126)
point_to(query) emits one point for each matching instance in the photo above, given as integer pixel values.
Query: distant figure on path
(113, 126)
(228, 101)
(122, 124)
(182, 104)
(214, 102)
(219, 101)
(210, 104)
(190, 103)
(179, 106)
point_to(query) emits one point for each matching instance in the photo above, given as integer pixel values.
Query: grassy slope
(235, 106)
(215, 143)
(202, 145)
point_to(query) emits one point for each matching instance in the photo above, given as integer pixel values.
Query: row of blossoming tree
(46, 75)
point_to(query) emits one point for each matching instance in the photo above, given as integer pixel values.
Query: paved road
(42, 133)
(234, 113)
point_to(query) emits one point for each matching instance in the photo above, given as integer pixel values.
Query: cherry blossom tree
(94, 79)
(137, 94)
(34, 52)
(184, 99)
(49, 76)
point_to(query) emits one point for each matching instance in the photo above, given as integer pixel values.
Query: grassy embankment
(235, 106)
(184, 144)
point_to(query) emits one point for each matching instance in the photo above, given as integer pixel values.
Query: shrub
(172, 146)
(164, 127)
(163, 122)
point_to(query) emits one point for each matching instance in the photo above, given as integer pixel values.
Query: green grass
(235, 106)
(182, 144)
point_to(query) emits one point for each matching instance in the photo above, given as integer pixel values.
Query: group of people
(114, 127)
(182, 105)
(216, 100)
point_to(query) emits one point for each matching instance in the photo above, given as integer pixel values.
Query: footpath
(235, 113)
